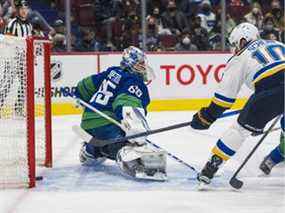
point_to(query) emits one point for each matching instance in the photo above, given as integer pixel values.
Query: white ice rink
(70, 188)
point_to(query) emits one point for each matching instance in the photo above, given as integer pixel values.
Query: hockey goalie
(121, 93)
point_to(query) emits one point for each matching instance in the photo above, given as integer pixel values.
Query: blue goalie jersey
(108, 92)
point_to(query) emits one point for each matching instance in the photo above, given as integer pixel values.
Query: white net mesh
(39, 103)
(14, 143)
(13, 134)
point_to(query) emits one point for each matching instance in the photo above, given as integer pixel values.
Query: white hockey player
(260, 64)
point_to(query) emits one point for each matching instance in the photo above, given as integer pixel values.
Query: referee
(19, 26)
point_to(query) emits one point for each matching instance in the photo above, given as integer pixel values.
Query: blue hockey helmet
(134, 60)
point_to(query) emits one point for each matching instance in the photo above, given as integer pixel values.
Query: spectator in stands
(278, 14)
(131, 30)
(37, 29)
(104, 9)
(188, 7)
(88, 42)
(173, 19)
(255, 16)
(152, 40)
(130, 6)
(185, 43)
(59, 26)
(269, 30)
(230, 24)
(158, 22)
(7, 9)
(208, 18)
(42, 22)
(106, 12)
(272, 36)
(59, 40)
(200, 35)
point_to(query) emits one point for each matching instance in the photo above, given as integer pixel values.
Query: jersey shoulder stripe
(269, 70)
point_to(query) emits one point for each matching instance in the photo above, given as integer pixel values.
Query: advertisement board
(183, 81)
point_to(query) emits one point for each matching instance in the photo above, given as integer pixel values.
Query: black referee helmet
(21, 3)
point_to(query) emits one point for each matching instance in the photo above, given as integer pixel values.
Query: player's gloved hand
(77, 103)
(202, 120)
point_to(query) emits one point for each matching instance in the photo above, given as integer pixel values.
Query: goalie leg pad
(90, 156)
(142, 162)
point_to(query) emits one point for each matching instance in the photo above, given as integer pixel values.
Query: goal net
(25, 116)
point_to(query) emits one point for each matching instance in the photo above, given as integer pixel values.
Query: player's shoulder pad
(135, 79)
(114, 68)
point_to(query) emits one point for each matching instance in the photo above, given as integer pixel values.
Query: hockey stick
(272, 130)
(236, 183)
(97, 142)
(86, 137)
(173, 157)
(228, 114)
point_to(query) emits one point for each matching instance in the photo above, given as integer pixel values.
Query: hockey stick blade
(236, 183)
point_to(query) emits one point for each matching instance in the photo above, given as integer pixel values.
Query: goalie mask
(134, 60)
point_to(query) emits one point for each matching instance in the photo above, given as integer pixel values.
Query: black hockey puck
(39, 178)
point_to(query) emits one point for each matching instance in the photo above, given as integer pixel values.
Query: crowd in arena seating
(172, 25)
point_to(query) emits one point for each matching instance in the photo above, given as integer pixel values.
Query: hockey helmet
(134, 60)
(21, 3)
(246, 31)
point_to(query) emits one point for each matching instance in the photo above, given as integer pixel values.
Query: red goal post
(25, 115)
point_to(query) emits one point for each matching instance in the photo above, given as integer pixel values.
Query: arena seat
(168, 41)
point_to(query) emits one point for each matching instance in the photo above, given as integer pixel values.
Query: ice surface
(68, 187)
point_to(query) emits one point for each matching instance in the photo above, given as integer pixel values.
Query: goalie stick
(236, 183)
(86, 137)
(97, 142)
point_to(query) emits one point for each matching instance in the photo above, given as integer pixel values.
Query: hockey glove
(134, 122)
(202, 119)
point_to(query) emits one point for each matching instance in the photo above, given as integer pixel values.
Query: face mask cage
(141, 67)
(144, 70)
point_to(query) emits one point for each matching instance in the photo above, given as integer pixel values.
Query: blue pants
(261, 108)
(105, 133)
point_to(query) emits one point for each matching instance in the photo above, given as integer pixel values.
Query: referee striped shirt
(19, 28)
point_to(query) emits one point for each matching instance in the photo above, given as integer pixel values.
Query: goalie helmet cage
(25, 110)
